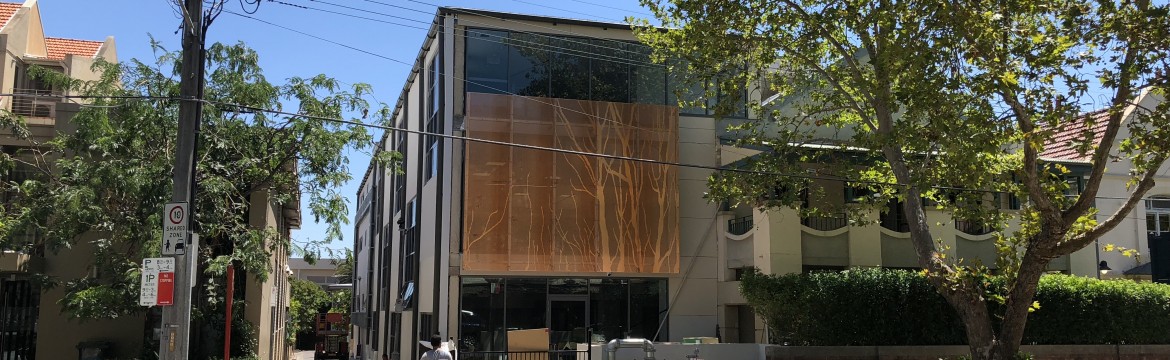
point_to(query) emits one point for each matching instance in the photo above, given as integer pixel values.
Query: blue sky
(284, 54)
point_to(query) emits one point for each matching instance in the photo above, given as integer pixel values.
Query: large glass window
(531, 64)
(409, 253)
(569, 68)
(528, 58)
(648, 306)
(482, 315)
(432, 150)
(526, 301)
(610, 72)
(647, 80)
(487, 61)
(612, 308)
(609, 307)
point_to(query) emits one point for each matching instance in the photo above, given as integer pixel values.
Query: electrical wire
(612, 8)
(237, 107)
(481, 14)
(568, 11)
(353, 16)
(371, 53)
(514, 42)
(529, 98)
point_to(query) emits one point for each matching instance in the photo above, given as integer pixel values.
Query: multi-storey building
(543, 220)
(476, 241)
(32, 322)
(322, 272)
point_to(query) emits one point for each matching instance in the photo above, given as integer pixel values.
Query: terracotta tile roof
(1062, 143)
(57, 48)
(7, 10)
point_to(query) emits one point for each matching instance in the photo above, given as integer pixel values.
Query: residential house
(1146, 229)
(32, 324)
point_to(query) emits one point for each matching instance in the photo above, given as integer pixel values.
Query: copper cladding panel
(543, 211)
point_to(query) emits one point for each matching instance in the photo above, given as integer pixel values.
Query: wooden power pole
(175, 339)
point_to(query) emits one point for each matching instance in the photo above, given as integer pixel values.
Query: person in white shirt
(437, 352)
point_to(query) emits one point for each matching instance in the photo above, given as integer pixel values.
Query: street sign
(175, 221)
(158, 282)
(166, 289)
(149, 293)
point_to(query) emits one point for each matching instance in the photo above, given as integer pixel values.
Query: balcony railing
(972, 227)
(526, 355)
(34, 103)
(825, 223)
(739, 226)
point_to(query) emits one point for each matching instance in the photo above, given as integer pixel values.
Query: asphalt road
(303, 355)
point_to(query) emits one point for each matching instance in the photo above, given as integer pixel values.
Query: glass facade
(531, 64)
(574, 310)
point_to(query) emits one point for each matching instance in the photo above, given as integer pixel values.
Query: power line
(613, 8)
(505, 40)
(371, 53)
(529, 98)
(567, 10)
(608, 156)
(512, 144)
(354, 16)
(369, 11)
(477, 13)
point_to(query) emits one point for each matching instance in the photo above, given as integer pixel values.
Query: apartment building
(32, 323)
(487, 244)
(482, 241)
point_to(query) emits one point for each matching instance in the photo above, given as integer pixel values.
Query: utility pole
(175, 338)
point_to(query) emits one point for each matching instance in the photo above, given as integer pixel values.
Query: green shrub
(1078, 310)
(895, 307)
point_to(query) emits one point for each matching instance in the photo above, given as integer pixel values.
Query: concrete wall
(58, 334)
(765, 351)
(694, 310)
(267, 301)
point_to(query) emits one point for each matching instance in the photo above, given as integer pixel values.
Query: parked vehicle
(332, 337)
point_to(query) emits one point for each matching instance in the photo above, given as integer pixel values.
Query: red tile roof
(1062, 144)
(7, 10)
(57, 48)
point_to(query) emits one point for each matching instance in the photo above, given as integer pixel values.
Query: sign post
(158, 282)
(174, 239)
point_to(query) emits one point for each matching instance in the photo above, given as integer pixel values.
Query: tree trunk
(1019, 301)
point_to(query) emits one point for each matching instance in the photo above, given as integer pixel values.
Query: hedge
(898, 307)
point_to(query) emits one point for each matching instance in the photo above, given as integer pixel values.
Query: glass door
(568, 321)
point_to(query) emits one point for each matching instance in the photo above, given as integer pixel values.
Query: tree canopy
(104, 184)
(947, 102)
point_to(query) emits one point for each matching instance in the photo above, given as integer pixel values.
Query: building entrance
(568, 321)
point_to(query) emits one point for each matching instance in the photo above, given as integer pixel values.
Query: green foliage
(210, 321)
(855, 307)
(101, 188)
(1079, 310)
(345, 268)
(896, 307)
(936, 102)
(306, 301)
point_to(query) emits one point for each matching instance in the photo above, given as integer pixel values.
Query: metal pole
(176, 319)
(227, 327)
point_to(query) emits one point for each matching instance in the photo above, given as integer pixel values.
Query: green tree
(105, 183)
(345, 268)
(306, 301)
(920, 100)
